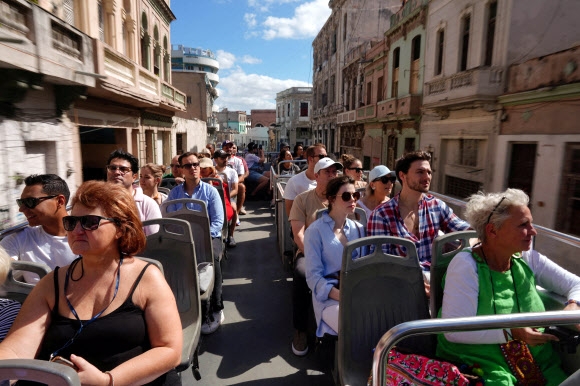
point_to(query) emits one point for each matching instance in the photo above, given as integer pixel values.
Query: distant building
(293, 113)
(231, 123)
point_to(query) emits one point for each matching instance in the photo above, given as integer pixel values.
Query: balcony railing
(478, 82)
(409, 7)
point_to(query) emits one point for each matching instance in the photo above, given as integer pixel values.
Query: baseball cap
(220, 153)
(379, 171)
(227, 142)
(326, 163)
(205, 163)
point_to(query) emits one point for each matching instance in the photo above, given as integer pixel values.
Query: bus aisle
(252, 347)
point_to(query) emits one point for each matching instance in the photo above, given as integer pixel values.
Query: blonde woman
(149, 179)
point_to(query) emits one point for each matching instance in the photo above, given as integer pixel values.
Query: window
(324, 94)
(461, 188)
(166, 60)
(331, 89)
(288, 110)
(415, 61)
(333, 43)
(69, 11)
(144, 42)
(156, 52)
(395, 83)
(380, 89)
(439, 52)
(409, 145)
(369, 92)
(188, 100)
(303, 109)
(344, 24)
(491, 18)
(464, 42)
(101, 17)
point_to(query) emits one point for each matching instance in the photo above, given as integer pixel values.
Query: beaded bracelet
(572, 301)
(112, 380)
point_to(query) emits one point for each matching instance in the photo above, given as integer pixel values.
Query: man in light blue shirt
(194, 187)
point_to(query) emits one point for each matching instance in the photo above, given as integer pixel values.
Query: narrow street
(253, 345)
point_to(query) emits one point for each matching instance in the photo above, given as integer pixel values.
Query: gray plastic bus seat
(173, 247)
(161, 189)
(198, 219)
(359, 215)
(18, 290)
(377, 292)
(53, 374)
(440, 259)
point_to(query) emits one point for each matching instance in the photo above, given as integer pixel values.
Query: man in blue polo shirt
(194, 187)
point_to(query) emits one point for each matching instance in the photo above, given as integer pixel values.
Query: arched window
(156, 52)
(145, 41)
(415, 61)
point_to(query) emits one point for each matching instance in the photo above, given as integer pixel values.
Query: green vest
(489, 356)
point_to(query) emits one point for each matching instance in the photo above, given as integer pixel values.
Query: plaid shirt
(434, 216)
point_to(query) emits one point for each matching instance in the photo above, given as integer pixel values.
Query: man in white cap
(302, 214)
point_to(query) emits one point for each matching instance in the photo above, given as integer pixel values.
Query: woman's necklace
(491, 280)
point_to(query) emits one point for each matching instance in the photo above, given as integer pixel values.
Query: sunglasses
(191, 165)
(114, 168)
(347, 196)
(89, 222)
(358, 170)
(494, 209)
(32, 202)
(385, 179)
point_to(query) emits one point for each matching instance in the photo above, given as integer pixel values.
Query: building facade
(293, 113)
(350, 24)
(261, 122)
(232, 125)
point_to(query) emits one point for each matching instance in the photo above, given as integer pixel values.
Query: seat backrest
(49, 373)
(195, 212)
(444, 248)
(163, 190)
(377, 292)
(173, 247)
(359, 215)
(18, 290)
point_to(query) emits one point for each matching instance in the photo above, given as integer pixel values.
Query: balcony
(346, 117)
(477, 84)
(128, 82)
(366, 112)
(406, 10)
(36, 41)
(212, 123)
(387, 108)
(409, 105)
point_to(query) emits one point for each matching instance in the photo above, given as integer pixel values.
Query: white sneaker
(243, 210)
(215, 320)
(238, 223)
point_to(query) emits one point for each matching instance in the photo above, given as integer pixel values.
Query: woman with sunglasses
(109, 314)
(324, 242)
(149, 179)
(378, 190)
(353, 168)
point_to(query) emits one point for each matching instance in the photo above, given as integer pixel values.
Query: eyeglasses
(385, 179)
(191, 165)
(358, 170)
(347, 196)
(32, 202)
(89, 222)
(494, 209)
(114, 168)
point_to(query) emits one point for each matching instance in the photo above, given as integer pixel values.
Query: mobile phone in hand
(64, 361)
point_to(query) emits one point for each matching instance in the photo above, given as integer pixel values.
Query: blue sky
(263, 46)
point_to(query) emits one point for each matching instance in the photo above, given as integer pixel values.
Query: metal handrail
(476, 323)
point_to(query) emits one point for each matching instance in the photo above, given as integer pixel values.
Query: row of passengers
(514, 291)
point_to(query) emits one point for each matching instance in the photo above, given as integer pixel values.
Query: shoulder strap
(56, 291)
(130, 296)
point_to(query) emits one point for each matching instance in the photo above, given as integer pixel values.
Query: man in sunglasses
(414, 214)
(303, 213)
(175, 177)
(194, 187)
(43, 201)
(305, 180)
(122, 169)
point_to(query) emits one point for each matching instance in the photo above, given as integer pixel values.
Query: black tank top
(106, 342)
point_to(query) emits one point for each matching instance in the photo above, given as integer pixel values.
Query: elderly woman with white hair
(499, 276)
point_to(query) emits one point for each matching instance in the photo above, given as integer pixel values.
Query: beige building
(350, 24)
(293, 108)
(470, 47)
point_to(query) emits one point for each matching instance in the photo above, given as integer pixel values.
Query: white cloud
(250, 19)
(307, 20)
(264, 5)
(225, 59)
(250, 60)
(241, 91)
